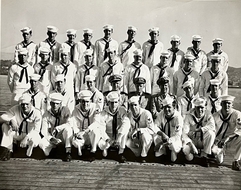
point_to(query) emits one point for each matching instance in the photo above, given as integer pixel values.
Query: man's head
(137, 56)
(217, 44)
(163, 84)
(55, 100)
(227, 103)
(215, 87)
(131, 32)
(25, 103)
(140, 84)
(71, 35)
(111, 53)
(188, 62)
(188, 87)
(200, 104)
(196, 41)
(115, 81)
(113, 99)
(88, 55)
(44, 54)
(88, 34)
(154, 33)
(22, 55)
(169, 105)
(64, 55)
(134, 105)
(90, 81)
(164, 58)
(175, 41)
(26, 33)
(60, 83)
(84, 100)
(215, 60)
(108, 30)
(34, 78)
(52, 32)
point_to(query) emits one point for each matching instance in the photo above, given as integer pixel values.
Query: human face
(44, 57)
(26, 107)
(140, 87)
(137, 59)
(22, 58)
(131, 34)
(215, 65)
(34, 85)
(163, 61)
(113, 105)
(64, 57)
(111, 56)
(187, 64)
(116, 85)
(60, 85)
(217, 47)
(87, 37)
(26, 36)
(135, 108)
(88, 59)
(51, 35)
(168, 110)
(107, 33)
(214, 90)
(90, 85)
(71, 37)
(154, 35)
(199, 111)
(227, 106)
(85, 105)
(55, 106)
(196, 44)
(175, 44)
(164, 88)
(189, 90)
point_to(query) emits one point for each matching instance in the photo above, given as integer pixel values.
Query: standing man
(217, 45)
(18, 76)
(103, 44)
(70, 43)
(21, 123)
(127, 47)
(176, 55)
(200, 60)
(29, 45)
(137, 69)
(82, 46)
(182, 75)
(228, 125)
(51, 43)
(152, 48)
(213, 73)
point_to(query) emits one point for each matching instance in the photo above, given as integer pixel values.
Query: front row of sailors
(196, 131)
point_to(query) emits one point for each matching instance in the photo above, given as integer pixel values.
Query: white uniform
(185, 104)
(144, 123)
(18, 80)
(80, 48)
(172, 127)
(224, 60)
(98, 98)
(84, 70)
(152, 58)
(132, 71)
(45, 81)
(29, 128)
(205, 85)
(175, 59)
(100, 50)
(213, 104)
(126, 50)
(70, 47)
(31, 48)
(156, 73)
(57, 122)
(200, 61)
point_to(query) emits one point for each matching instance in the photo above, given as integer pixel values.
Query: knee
(186, 149)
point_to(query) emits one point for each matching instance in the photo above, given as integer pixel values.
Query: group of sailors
(109, 96)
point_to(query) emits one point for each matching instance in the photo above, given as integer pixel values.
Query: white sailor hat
(215, 57)
(59, 77)
(175, 38)
(35, 77)
(85, 95)
(217, 40)
(44, 50)
(55, 97)
(88, 52)
(165, 54)
(189, 56)
(196, 38)
(134, 100)
(227, 98)
(137, 52)
(132, 28)
(25, 98)
(52, 29)
(26, 30)
(189, 82)
(89, 78)
(71, 32)
(167, 101)
(64, 51)
(153, 29)
(108, 27)
(199, 101)
(215, 82)
(113, 96)
(22, 51)
(111, 49)
(88, 31)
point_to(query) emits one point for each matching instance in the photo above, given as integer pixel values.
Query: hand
(198, 129)
(79, 135)
(221, 144)
(55, 141)
(13, 124)
(24, 142)
(54, 133)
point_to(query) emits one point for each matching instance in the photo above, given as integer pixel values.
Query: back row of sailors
(152, 48)
(199, 132)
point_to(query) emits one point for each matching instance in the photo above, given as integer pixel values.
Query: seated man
(170, 123)
(82, 117)
(142, 129)
(54, 126)
(198, 131)
(114, 119)
(145, 98)
(228, 125)
(21, 123)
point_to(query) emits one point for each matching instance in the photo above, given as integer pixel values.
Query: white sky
(210, 19)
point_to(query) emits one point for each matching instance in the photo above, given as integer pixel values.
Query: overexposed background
(210, 19)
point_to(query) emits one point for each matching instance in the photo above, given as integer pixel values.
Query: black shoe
(92, 157)
(205, 162)
(68, 157)
(122, 159)
(143, 160)
(236, 166)
(6, 154)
